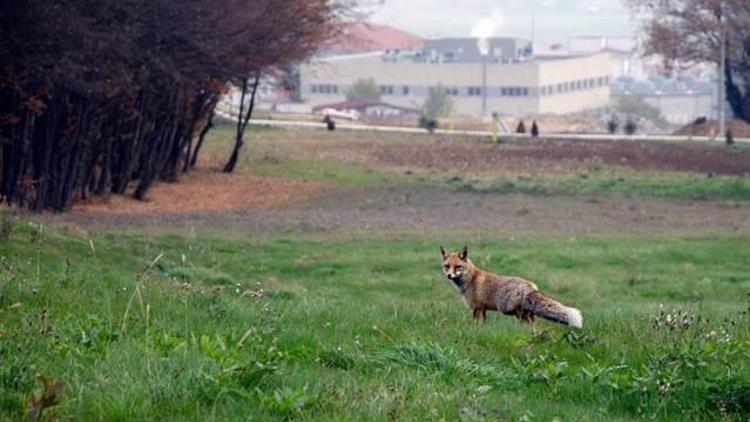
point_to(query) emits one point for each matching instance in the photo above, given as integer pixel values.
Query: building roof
(466, 49)
(362, 37)
(598, 43)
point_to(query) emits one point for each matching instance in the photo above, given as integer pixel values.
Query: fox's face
(455, 265)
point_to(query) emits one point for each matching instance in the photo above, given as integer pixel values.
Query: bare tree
(686, 32)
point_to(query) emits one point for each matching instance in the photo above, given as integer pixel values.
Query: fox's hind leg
(529, 317)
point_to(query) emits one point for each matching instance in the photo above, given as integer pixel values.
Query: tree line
(104, 96)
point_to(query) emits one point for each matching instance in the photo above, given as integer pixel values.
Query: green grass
(631, 184)
(353, 326)
(273, 152)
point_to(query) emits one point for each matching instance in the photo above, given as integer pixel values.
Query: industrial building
(507, 80)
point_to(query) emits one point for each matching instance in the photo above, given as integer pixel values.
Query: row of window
(514, 91)
(573, 86)
(324, 89)
(473, 91)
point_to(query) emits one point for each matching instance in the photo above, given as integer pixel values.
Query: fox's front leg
(480, 314)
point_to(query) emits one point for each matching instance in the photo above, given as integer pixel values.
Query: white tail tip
(574, 317)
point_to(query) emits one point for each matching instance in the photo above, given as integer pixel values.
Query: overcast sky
(556, 20)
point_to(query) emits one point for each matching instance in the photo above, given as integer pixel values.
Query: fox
(484, 291)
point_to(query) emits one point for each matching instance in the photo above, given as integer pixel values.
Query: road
(478, 133)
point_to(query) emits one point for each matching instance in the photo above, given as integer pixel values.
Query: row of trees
(685, 32)
(97, 96)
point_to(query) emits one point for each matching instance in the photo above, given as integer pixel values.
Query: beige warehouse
(554, 86)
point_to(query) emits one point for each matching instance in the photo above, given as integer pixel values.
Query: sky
(556, 20)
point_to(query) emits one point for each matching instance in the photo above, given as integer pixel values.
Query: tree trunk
(201, 138)
(242, 122)
(738, 101)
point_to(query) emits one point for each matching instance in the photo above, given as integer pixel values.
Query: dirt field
(433, 210)
(548, 156)
(261, 204)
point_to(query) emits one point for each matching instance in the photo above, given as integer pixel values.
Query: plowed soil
(554, 156)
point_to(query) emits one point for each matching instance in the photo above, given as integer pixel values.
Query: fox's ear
(464, 253)
(443, 252)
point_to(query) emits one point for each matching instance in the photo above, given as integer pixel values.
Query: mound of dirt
(208, 190)
(705, 127)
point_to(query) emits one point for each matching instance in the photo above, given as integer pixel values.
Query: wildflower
(664, 386)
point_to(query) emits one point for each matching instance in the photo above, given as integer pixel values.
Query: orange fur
(484, 291)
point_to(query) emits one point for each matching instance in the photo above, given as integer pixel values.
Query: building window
(386, 89)
(325, 89)
(525, 92)
(504, 91)
(405, 90)
(475, 91)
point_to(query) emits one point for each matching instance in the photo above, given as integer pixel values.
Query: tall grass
(140, 327)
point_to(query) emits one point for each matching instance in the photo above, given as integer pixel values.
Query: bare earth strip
(438, 211)
(207, 190)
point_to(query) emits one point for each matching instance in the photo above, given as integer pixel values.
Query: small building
(369, 108)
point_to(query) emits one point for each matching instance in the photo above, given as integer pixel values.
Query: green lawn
(354, 326)
(663, 185)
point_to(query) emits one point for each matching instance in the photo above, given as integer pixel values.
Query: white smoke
(486, 28)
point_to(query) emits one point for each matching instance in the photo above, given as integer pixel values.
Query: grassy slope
(365, 328)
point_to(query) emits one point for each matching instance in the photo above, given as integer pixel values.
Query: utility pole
(722, 74)
(533, 25)
(484, 84)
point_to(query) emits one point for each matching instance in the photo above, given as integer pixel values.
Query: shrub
(363, 89)
(630, 127)
(438, 103)
(521, 128)
(534, 130)
(613, 124)
(427, 123)
(729, 137)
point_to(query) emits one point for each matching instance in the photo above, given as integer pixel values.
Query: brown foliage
(684, 32)
(101, 96)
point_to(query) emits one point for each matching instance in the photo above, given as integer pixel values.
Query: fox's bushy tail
(548, 308)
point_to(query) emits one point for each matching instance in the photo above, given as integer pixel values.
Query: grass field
(359, 324)
(178, 328)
